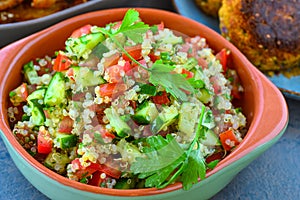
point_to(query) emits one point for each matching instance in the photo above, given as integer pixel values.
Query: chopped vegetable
(129, 106)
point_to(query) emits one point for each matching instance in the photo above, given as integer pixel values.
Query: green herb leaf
(159, 154)
(132, 28)
(175, 84)
(196, 169)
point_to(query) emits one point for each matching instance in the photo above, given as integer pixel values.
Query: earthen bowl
(262, 103)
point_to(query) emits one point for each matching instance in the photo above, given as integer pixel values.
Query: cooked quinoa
(91, 114)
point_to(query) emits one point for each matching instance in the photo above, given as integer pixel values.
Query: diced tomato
(19, 95)
(222, 56)
(117, 25)
(188, 73)
(110, 61)
(96, 180)
(110, 171)
(61, 63)
(134, 51)
(81, 171)
(127, 67)
(114, 73)
(66, 125)
(110, 89)
(105, 134)
(215, 156)
(84, 30)
(153, 57)
(44, 141)
(228, 139)
(161, 99)
(160, 26)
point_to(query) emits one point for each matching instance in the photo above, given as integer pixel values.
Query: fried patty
(210, 7)
(6, 4)
(266, 31)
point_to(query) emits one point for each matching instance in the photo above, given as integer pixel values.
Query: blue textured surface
(274, 175)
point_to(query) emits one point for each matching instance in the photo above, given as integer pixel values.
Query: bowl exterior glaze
(260, 100)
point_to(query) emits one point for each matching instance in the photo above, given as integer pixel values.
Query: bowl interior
(52, 39)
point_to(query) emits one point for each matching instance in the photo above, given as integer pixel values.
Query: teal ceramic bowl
(260, 100)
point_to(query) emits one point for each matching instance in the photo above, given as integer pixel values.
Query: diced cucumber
(37, 94)
(30, 74)
(81, 47)
(188, 118)
(204, 96)
(122, 129)
(65, 141)
(164, 118)
(191, 63)
(57, 161)
(86, 77)
(99, 50)
(145, 113)
(37, 114)
(56, 91)
(211, 139)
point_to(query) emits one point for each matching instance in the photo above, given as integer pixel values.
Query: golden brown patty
(266, 31)
(274, 24)
(5, 4)
(210, 7)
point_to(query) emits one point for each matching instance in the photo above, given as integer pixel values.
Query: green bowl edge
(208, 187)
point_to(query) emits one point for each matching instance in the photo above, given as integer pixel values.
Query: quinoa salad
(128, 106)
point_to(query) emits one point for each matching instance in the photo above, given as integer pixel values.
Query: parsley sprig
(160, 74)
(165, 160)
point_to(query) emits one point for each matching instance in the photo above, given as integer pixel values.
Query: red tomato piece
(96, 180)
(160, 26)
(161, 99)
(110, 89)
(153, 57)
(215, 156)
(81, 171)
(115, 73)
(110, 61)
(44, 142)
(19, 94)
(84, 30)
(61, 63)
(188, 73)
(228, 139)
(222, 56)
(110, 171)
(134, 51)
(66, 125)
(117, 25)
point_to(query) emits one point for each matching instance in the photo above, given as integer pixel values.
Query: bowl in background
(11, 32)
(260, 100)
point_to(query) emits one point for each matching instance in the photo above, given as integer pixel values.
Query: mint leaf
(175, 84)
